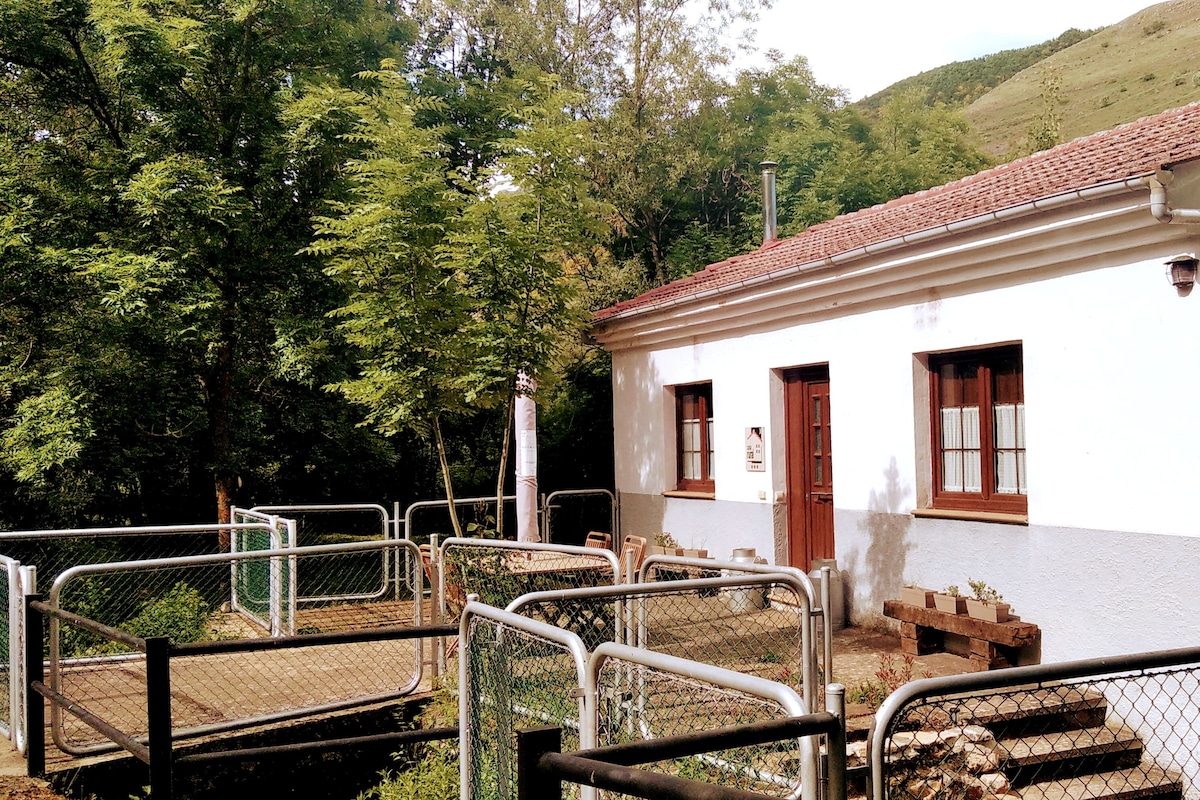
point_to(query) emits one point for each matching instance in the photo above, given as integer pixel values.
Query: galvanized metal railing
(1120, 726)
(152, 739)
(227, 693)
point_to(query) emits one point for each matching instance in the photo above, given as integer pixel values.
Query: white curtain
(961, 471)
(1010, 448)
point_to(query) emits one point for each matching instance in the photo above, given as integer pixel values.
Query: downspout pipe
(1159, 205)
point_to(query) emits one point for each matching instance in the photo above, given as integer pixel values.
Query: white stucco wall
(1112, 376)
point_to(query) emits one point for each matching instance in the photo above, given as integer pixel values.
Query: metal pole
(158, 715)
(35, 709)
(532, 744)
(827, 621)
(835, 742)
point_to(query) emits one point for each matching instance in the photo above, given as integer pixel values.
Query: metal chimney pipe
(768, 201)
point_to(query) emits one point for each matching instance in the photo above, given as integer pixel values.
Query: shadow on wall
(886, 527)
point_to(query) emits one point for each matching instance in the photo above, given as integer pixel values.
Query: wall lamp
(1181, 272)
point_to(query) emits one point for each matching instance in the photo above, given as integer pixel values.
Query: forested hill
(961, 82)
(1073, 85)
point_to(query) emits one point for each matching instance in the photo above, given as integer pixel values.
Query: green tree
(455, 287)
(835, 163)
(406, 311)
(522, 243)
(153, 202)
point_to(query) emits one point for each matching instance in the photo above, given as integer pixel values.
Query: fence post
(35, 709)
(835, 742)
(158, 715)
(532, 744)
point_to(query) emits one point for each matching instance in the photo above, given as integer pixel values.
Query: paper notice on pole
(527, 455)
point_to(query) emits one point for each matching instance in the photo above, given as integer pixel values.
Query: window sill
(973, 516)
(690, 495)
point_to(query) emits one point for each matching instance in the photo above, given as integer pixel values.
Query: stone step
(1032, 712)
(1138, 783)
(1066, 753)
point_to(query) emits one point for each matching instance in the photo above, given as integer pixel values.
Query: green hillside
(1138, 67)
(1141, 66)
(964, 81)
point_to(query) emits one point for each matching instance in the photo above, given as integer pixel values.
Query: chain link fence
(752, 624)
(10, 595)
(644, 695)
(515, 673)
(501, 571)
(189, 600)
(338, 523)
(1126, 727)
(53, 551)
(568, 515)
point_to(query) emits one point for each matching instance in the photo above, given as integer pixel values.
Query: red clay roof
(1132, 150)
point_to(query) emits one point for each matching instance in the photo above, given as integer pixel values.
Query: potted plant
(665, 545)
(987, 604)
(917, 596)
(950, 601)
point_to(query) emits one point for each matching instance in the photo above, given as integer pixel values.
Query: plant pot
(990, 612)
(656, 550)
(950, 604)
(695, 553)
(916, 596)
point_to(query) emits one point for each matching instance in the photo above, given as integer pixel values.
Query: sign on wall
(754, 450)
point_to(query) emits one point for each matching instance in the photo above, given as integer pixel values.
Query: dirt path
(17, 788)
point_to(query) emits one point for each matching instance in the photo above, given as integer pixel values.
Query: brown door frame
(808, 537)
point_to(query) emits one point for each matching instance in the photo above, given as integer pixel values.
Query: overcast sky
(866, 45)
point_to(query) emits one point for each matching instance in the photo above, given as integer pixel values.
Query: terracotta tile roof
(1132, 150)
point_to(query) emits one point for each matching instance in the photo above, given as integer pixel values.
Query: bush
(434, 777)
(181, 614)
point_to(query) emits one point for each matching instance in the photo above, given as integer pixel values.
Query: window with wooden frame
(978, 424)
(694, 438)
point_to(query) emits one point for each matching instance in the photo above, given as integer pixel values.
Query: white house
(992, 379)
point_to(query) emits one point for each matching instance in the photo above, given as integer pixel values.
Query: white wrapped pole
(525, 416)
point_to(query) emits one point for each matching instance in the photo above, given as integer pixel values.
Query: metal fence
(569, 514)
(501, 571)
(664, 567)
(1118, 727)
(49, 552)
(642, 695)
(187, 600)
(15, 583)
(566, 516)
(514, 672)
(336, 523)
(162, 698)
(752, 624)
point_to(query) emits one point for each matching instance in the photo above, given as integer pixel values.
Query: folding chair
(637, 546)
(597, 539)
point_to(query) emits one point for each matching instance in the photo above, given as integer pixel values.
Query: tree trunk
(220, 413)
(505, 443)
(441, 448)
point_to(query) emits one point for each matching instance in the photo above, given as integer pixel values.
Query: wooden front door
(809, 466)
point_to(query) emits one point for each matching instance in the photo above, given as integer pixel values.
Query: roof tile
(1131, 150)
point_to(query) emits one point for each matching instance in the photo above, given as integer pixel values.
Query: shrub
(434, 777)
(181, 614)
